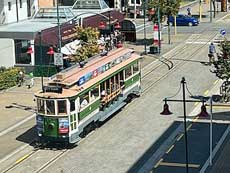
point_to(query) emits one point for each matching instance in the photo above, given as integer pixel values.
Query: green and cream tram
(76, 100)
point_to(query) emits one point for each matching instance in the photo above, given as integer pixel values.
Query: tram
(76, 100)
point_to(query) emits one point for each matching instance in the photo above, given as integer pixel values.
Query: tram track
(161, 75)
(42, 158)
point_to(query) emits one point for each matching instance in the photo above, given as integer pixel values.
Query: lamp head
(203, 112)
(51, 51)
(166, 110)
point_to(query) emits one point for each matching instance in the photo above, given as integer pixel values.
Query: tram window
(94, 93)
(62, 107)
(128, 72)
(50, 107)
(72, 105)
(135, 68)
(84, 100)
(41, 106)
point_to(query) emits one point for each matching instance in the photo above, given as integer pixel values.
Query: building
(16, 10)
(41, 31)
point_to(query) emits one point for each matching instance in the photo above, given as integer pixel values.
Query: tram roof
(71, 77)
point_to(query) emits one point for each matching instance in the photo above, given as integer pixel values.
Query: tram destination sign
(54, 89)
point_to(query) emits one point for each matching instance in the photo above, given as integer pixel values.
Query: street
(129, 140)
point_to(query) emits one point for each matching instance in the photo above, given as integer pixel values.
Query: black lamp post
(159, 23)
(166, 111)
(145, 41)
(41, 60)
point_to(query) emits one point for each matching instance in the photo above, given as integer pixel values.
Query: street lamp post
(145, 43)
(41, 60)
(210, 149)
(167, 112)
(210, 11)
(159, 23)
(185, 124)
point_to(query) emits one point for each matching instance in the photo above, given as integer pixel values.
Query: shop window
(9, 6)
(94, 94)
(135, 67)
(41, 106)
(21, 55)
(62, 107)
(128, 72)
(137, 2)
(50, 107)
(84, 100)
(72, 105)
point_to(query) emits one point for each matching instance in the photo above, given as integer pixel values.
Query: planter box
(153, 49)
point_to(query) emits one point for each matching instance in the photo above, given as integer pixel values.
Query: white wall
(11, 15)
(22, 12)
(7, 52)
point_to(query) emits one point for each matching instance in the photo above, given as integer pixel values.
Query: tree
(167, 8)
(222, 64)
(89, 46)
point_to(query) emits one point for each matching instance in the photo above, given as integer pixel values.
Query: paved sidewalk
(16, 104)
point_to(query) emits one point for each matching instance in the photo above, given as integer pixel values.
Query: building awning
(70, 48)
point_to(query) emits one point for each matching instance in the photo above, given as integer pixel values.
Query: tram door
(73, 118)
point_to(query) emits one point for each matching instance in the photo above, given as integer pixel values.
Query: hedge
(8, 78)
(44, 70)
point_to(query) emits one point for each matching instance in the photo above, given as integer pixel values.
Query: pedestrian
(189, 11)
(211, 51)
(20, 78)
(31, 83)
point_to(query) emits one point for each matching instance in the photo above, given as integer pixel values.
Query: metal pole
(175, 32)
(210, 11)
(210, 159)
(59, 29)
(145, 28)
(41, 60)
(135, 9)
(159, 23)
(17, 10)
(185, 125)
(110, 38)
(200, 10)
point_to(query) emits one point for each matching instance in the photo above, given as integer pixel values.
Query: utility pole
(210, 11)
(59, 28)
(135, 9)
(159, 23)
(200, 10)
(145, 28)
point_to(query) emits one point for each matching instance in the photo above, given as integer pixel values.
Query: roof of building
(46, 18)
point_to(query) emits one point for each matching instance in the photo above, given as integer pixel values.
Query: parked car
(183, 20)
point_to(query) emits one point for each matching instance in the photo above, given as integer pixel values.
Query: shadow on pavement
(154, 147)
(28, 136)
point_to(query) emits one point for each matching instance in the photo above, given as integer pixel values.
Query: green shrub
(45, 70)
(8, 77)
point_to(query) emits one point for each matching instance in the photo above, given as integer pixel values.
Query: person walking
(211, 52)
(189, 11)
(20, 78)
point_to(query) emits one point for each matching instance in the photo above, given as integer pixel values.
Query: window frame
(66, 111)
